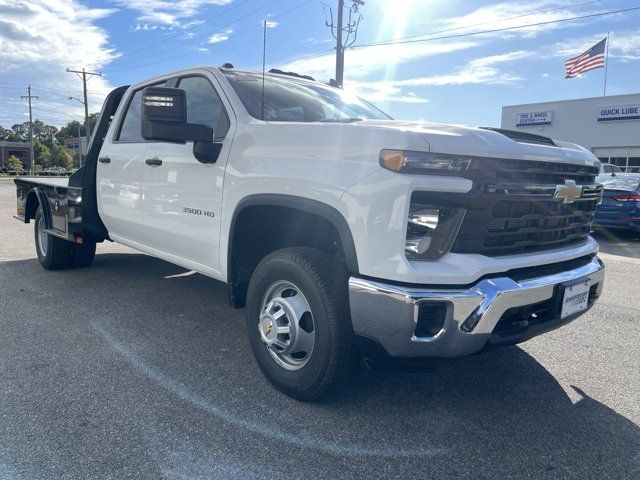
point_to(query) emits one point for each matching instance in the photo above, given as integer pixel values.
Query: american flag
(589, 60)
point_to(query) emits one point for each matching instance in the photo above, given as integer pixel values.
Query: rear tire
(82, 255)
(304, 292)
(54, 253)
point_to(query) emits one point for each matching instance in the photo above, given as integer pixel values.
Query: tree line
(49, 148)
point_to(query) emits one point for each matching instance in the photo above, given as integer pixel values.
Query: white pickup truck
(345, 234)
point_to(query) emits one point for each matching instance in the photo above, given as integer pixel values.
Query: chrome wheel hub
(286, 325)
(43, 238)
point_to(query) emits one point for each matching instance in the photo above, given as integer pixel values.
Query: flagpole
(606, 65)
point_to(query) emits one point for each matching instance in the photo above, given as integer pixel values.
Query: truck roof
(228, 68)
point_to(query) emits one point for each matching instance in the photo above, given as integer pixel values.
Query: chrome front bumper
(388, 314)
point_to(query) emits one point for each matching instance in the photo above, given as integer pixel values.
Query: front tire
(298, 322)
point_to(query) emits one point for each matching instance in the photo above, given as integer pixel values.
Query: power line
(194, 52)
(51, 90)
(464, 27)
(313, 55)
(179, 34)
(196, 39)
(86, 100)
(469, 34)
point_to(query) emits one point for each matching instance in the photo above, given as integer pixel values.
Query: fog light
(424, 217)
(417, 245)
(431, 230)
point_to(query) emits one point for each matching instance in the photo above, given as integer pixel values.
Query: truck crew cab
(345, 234)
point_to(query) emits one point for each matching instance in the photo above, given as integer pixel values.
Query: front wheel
(298, 322)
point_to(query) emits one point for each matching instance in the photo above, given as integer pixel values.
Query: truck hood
(485, 143)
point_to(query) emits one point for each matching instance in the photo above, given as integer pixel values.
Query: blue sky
(463, 80)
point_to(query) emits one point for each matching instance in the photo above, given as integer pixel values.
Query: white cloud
(38, 40)
(218, 37)
(166, 12)
(366, 62)
(484, 70)
(624, 45)
(377, 94)
(362, 62)
(513, 14)
(315, 41)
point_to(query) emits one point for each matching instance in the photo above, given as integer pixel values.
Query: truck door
(183, 197)
(120, 172)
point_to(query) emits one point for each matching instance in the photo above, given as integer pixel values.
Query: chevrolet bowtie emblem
(569, 192)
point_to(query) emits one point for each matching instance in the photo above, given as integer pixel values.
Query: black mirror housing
(163, 104)
(164, 117)
(207, 152)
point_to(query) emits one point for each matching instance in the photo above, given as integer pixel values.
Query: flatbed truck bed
(69, 204)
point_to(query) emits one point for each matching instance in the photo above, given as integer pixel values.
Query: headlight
(431, 230)
(404, 161)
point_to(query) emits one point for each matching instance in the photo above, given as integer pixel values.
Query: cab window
(131, 126)
(204, 105)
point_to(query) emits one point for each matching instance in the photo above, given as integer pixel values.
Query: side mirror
(164, 117)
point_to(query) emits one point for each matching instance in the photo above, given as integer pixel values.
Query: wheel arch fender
(307, 205)
(35, 198)
(296, 204)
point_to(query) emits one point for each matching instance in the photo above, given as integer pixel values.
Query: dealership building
(608, 126)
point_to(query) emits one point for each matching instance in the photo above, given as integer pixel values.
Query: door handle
(104, 160)
(153, 161)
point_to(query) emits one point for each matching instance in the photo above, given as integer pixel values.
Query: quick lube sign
(618, 113)
(534, 118)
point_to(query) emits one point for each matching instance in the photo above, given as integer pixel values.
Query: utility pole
(83, 103)
(339, 46)
(28, 97)
(345, 35)
(84, 78)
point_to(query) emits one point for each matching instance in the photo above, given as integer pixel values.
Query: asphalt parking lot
(135, 368)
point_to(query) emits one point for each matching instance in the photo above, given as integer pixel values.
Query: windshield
(622, 182)
(292, 100)
(609, 168)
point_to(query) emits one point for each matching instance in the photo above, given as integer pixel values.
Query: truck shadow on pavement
(501, 414)
(618, 242)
